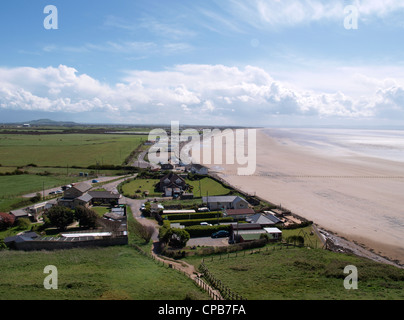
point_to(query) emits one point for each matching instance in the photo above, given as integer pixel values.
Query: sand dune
(356, 196)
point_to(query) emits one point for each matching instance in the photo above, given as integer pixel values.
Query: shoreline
(326, 186)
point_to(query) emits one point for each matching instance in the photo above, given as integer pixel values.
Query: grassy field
(113, 273)
(66, 149)
(301, 273)
(92, 274)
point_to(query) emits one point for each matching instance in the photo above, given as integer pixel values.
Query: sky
(203, 62)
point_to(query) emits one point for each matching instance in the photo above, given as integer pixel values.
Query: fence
(203, 285)
(216, 283)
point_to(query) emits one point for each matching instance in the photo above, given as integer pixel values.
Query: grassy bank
(300, 273)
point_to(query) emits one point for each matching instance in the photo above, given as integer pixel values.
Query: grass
(17, 185)
(101, 273)
(113, 273)
(300, 273)
(201, 187)
(131, 187)
(66, 149)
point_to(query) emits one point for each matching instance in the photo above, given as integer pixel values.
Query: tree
(86, 217)
(177, 238)
(60, 217)
(6, 220)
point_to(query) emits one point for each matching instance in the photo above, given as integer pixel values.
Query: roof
(20, 213)
(246, 226)
(272, 230)
(26, 236)
(82, 187)
(104, 194)
(85, 197)
(220, 199)
(236, 212)
(263, 219)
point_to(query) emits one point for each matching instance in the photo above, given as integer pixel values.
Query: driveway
(208, 242)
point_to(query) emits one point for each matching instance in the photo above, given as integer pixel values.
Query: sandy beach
(355, 195)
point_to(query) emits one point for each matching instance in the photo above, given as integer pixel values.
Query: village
(182, 215)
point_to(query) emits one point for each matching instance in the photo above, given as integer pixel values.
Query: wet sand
(358, 197)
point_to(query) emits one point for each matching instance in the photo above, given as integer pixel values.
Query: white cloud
(191, 93)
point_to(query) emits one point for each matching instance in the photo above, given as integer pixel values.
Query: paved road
(100, 179)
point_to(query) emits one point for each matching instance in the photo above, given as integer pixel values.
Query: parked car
(221, 234)
(52, 192)
(58, 191)
(205, 224)
(94, 181)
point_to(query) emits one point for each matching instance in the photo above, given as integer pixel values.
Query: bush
(86, 217)
(60, 217)
(23, 223)
(6, 221)
(194, 222)
(203, 231)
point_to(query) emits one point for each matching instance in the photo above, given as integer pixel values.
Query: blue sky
(227, 62)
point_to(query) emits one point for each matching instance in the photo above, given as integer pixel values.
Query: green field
(63, 150)
(105, 273)
(113, 273)
(301, 273)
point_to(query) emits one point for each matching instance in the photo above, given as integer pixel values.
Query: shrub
(86, 217)
(60, 217)
(203, 231)
(6, 220)
(23, 224)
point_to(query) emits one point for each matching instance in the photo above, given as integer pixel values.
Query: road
(100, 179)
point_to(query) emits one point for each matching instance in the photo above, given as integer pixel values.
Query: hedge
(194, 222)
(196, 215)
(203, 231)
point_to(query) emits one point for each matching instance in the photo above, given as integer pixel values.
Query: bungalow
(197, 168)
(263, 220)
(225, 202)
(23, 237)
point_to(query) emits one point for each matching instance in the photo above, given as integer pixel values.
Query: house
(263, 220)
(197, 169)
(23, 237)
(172, 184)
(239, 214)
(225, 202)
(166, 166)
(77, 190)
(104, 197)
(274, 233)
(22, 213)
(242, 232)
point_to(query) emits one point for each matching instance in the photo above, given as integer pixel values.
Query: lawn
(66, 149)
(301, 273)
(202, 187)
(131, 187)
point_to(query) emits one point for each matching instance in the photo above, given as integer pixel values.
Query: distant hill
(48, 122)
